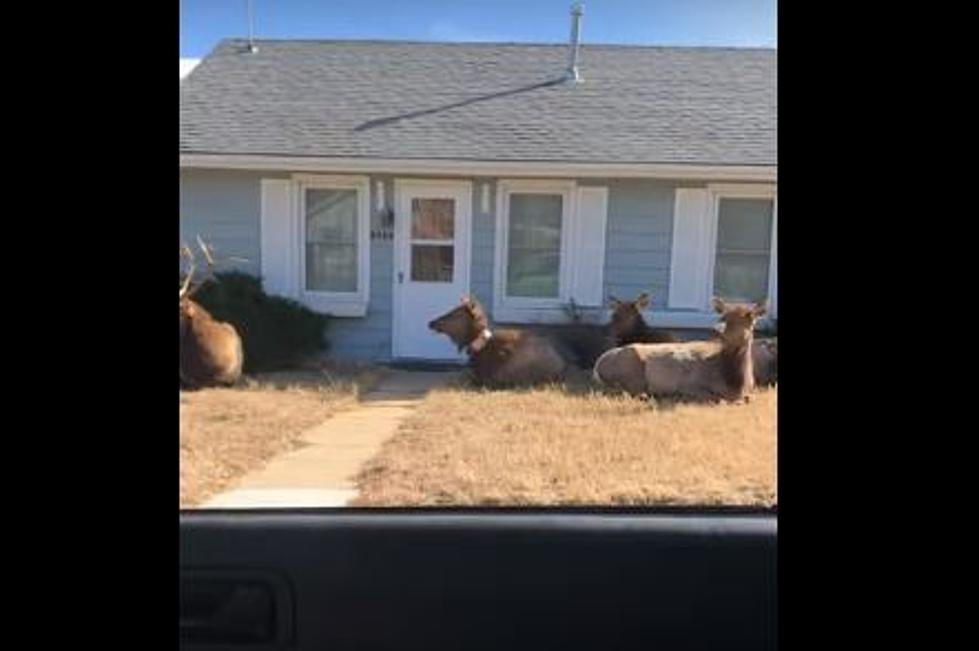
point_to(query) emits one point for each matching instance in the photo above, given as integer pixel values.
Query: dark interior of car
(464, 579)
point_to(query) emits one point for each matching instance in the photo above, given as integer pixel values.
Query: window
(432, 239)
(743, 226)
(534, 245)
(331, 240)
(744, 248)
(333, 244)
(723, 245)
(534, 233)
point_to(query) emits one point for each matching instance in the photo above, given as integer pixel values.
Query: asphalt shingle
(483, 101)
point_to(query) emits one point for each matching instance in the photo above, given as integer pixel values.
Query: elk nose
(431, 325)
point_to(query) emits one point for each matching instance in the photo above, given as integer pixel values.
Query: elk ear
(613, 302)
(760, 309)
(719, 305)
(642, 301)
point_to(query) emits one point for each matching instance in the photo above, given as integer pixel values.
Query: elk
(211, 352)
(701, 370)
(504, 357)
(764, 354)
(627, 325)
(579, 342)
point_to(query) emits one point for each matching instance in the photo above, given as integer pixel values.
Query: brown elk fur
(764, 359)
(698, 370)
(628, 327)
(508, 356)
(210, 351)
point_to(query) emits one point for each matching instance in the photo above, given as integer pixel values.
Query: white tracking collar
(480, 342)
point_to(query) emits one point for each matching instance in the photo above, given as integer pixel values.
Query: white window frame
(520, 308)
(720, 191)
(341, 304)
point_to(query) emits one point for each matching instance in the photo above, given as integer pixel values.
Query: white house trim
(439, 167)
(720, 191)
(484, 204)
(340, 304)
(379, 195)
(508, 308)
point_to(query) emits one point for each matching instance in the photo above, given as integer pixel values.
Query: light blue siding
(225, 207)
(369, 338)
(637, 245)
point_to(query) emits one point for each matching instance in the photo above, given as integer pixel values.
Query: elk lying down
(504, 357)
(700, 370)
(211, 353)
(764, 359)
(628, 327)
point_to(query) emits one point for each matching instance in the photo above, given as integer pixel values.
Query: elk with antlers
(211, 352)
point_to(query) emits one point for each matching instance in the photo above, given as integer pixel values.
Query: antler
(186, 291)
(186, 252)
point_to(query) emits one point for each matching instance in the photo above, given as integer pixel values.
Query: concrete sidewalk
(320, 473)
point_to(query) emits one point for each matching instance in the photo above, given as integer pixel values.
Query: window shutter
(691, 250)
(279, 269)
(589, 246)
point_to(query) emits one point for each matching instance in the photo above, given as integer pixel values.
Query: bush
(276, 332)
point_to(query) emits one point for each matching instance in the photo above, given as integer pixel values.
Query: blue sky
(656, 22)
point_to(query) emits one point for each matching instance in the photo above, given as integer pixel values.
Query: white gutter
(537, 169)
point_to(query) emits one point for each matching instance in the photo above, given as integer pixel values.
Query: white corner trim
(485, 202)
(379, 195)
(447, 167)
(338, 304)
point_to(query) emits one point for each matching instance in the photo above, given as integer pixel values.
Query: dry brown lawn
(225, 433)
(554, 447)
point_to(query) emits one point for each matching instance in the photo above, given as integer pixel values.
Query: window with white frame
(315, 241)
(334, 243)
(330, 226)
(723, 245)
(532, 252)
(743, 252)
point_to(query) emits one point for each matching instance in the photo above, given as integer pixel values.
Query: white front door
(431, 263)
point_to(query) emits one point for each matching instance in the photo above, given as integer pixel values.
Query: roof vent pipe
(251, 30)
(572, 73)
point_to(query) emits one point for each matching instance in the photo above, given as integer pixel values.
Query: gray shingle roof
(483, 101)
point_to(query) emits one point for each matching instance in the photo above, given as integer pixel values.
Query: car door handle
(218, 608)
(401, 277)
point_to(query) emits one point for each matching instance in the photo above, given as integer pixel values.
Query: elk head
(189, 308)
(626, 315)
(738, 320)
(462, 324)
